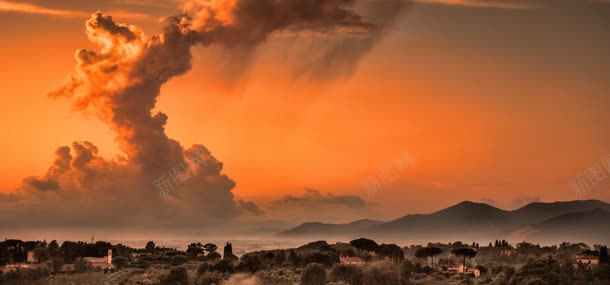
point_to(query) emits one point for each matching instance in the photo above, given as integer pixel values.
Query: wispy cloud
(516, 5)
(6, 6)
(28, 8)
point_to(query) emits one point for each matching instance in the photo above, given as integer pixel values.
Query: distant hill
(538, 212)
(592, 226)
(329, 230)
(464, 221)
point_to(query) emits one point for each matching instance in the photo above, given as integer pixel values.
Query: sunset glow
(501, 102)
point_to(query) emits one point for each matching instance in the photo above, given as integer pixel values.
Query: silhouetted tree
(53, 246)
(434, 251)
(464, 253)
(316, 245)
(365, 244)
(392, 251)
(603, 255)
(194, 249)
(150, 246)
(422, 253)
(427, 252)
(211, 248)
(41, 254)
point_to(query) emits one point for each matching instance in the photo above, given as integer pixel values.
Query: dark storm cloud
(250, 207)
(121, 82)
(313, 198)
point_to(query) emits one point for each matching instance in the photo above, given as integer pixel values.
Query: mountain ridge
(464, 220)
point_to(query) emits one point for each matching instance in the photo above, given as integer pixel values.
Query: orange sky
(491, 103)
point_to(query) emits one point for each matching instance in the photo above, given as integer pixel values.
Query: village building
(101, 262)
(30, 261)
(507, 252)
(14, 266)
(460, 270)
(31, 257)
(587, 260)
(97, 262)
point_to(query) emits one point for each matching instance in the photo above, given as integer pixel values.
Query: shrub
(324, 258)
(349, 274)
(213, 256)
(547, 270)
(210, 278)
(278, 277)
(482, 269)
(82, 265)
(314, 274)
(250, 263)
(406, 270)
(383, 273)
(120, 262)
(57, 263)
(179, 260)
(223, 266)
(203, 268)
(24, 276)
(176, 276)
(603, 272)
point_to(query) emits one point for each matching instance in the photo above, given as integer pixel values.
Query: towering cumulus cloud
(121, 81)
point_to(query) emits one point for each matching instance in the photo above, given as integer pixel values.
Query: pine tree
(603, 255)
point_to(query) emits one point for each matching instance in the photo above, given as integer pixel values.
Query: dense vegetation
(316, 263)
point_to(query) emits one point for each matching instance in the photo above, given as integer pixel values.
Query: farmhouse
(460, 269)
(101, 262)
(588, 260)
